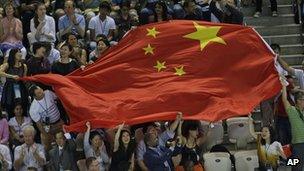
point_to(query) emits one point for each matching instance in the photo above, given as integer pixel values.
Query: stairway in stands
(281, 30)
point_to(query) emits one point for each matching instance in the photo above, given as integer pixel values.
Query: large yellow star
(205, 35)
(152, 32)
(160, 65)
(149, 49)
(179, 71)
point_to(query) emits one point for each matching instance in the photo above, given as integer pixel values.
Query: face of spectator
(103, 12)
(125, 10)
(101, 46)
(18, 110)
(191, 7)
(94, 166)
(9, 10)
(69, 7)
(300, 102)
(28, 137)
(158, 9)
(39, 94)
(72, 40)
(276, 50)
(96, 141)
(65, 51)
(60, 139)
(152, 130)
(125, 137)
(265, 133)
(193, 133)
(41, 11)
(41, 52)
(153, 142)
(18, 56)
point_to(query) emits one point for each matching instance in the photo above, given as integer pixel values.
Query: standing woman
(123, 152)
(65, 64)
(269, 150)
(160, 12)
(102, 46)
(11, 31)
(13, 88)
(42, 26)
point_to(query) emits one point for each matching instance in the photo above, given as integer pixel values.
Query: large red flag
(207, 71)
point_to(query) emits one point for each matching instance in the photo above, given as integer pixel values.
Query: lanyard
(44, 109)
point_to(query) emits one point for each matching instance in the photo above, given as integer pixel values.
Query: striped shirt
(46, 107)
(297, 125)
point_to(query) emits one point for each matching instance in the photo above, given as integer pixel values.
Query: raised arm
(284, 93)
(251, 127)
(86, 143)
(174, 125)
(117, 135)
(285, 66)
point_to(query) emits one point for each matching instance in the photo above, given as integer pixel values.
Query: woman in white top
(269, 150)
(42, 26)
(17, 125)
(95, 147)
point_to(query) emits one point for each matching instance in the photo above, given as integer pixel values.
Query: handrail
(298, 6)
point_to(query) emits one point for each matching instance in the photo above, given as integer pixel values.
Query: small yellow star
(179, 71)
(152, 32)
(160, 65)
(205, 35)
(149, 49)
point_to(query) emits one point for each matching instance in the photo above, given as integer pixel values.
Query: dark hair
(36, 46)
(93, 134)
(68, 35)
(131, 145)
(89, 161)
(6, 5)
(32, 90)
(165, 10)
(68, 45)
(298, 95)
(105, 41)
(125, 3)
(32, 169)
(147, 138)
(145, 128)
(275, 46)
(36, 22)
(11, 57)
(272, 135)
(189, 125)
(105, 5)
(17, 102)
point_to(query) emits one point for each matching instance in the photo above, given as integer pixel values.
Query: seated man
(29, 154)
(92, 164)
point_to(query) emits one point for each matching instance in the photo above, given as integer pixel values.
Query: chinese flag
(208, 71)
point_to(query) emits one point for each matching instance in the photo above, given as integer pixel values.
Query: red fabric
(287, 150)
(221, 81)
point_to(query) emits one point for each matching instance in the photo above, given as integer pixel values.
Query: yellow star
(205, 35)
(152, 32)
(149, 49)
(179, 71)
(160, 65)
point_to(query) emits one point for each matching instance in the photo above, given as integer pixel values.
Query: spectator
(5, 158)
(59, 6)
(231, 14)
(62, 155)
(273, 4)
(78, 53)
(4, 132)
(123, 152)
(102, 46)
(45, 113)
(269, 150)
(51, 53)
(282, 122)
(17, 124)
(102, 23)
(65, 64)
(193, 12)
(92, 164)
(71, 22)
(42, 26)
(27, 13)
(162, 139)
(158, 157)
(296, 119)
(13, 88)
(94, 146)
(38, 63)
(11, 32)
(188, 133)
(29, 154)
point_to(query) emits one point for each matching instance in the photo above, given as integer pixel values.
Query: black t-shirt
(38, 66)
(64, 69)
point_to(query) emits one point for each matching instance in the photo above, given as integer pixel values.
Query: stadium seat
(246, 160)
(82, 165)
(217, 162)
(238, 132)
(215, 135)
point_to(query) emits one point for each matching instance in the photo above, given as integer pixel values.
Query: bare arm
(3, 73)
(285, 66)
(174, 125)
(111, 34)
(117, 135)
(251, 127)
(284, 95)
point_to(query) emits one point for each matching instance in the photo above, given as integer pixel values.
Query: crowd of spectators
(43, 36)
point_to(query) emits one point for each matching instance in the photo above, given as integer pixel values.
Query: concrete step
(278, 30)
(282, 2)
(283, 39)
(266, 11)
(270, 21)
(292, 49)
(294, 59)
